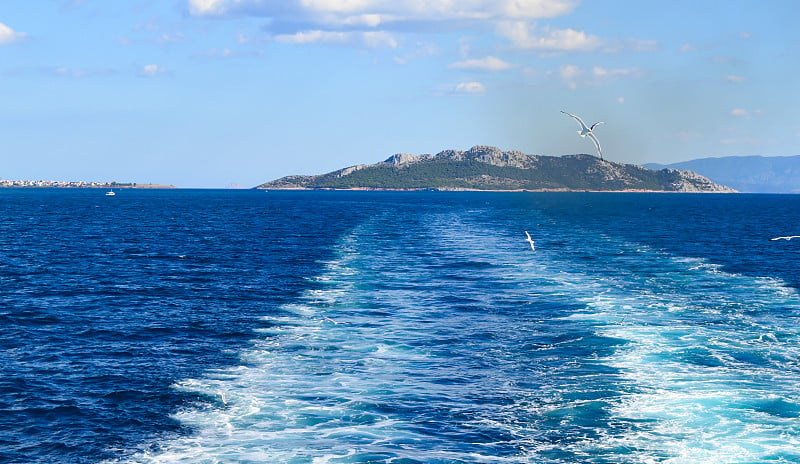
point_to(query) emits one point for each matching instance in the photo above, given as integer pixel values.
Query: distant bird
(789, 237)
(530, 240)
(587, 132)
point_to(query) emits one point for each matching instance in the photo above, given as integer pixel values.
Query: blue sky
(210, 93)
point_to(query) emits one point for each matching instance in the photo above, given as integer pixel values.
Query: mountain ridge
(485, 167)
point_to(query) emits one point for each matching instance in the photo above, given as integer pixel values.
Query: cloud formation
(546, 39)
(490, 63)
(469, 88)
(8, 35)
(376, 12)
(151, 70)
(370, 39)
(605, 73)
(377, 23)
(743, 113)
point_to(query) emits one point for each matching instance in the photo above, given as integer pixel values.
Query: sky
(223, 93)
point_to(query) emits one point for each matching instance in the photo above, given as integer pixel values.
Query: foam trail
(339, 377)
(712, 361)
(449, 342)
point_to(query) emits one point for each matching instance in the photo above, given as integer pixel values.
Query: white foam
(321, 383)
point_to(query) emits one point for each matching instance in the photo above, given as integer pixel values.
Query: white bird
(789, 237)
(587, 132)
(530, 240)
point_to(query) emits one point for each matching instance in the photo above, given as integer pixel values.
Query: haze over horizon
(207, 93)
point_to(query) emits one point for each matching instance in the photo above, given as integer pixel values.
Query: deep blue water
(200, 326)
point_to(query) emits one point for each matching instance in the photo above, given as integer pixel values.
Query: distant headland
(486, 168)
(77, 184)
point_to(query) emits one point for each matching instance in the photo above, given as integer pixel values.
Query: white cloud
(369, 20)
(739, 113)
(743, 113)
(340, 21)
(374, 12)
(471, 88)
(369, 39)
(151, 70)
(547, 39)
(490, 63)
(603, 73)
(8, 35)
(211, 7)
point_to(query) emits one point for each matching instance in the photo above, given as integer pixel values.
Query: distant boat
(110, 193)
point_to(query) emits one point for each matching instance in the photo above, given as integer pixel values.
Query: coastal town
(52, 184)
(74, 184)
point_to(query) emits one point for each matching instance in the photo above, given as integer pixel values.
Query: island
(486, 168)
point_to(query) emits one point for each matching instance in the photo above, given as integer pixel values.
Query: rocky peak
(401, 158)
(491, 155)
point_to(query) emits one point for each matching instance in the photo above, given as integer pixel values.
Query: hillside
(489, 168)
(754, 174)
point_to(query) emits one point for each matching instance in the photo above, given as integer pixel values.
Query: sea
(225, 326)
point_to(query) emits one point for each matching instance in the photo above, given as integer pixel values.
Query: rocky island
(489, 168)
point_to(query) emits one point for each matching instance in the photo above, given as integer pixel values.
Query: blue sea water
(192, 326)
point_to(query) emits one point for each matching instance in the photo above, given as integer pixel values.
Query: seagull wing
(528, 235)
(580, 121)
(595, 125)
(596, 143)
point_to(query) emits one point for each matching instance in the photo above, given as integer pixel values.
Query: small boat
(110, 193)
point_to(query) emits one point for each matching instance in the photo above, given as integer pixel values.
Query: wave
(452, 342)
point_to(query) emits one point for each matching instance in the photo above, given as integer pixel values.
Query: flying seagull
(530, 240)
(784, 238)
(587, 131)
